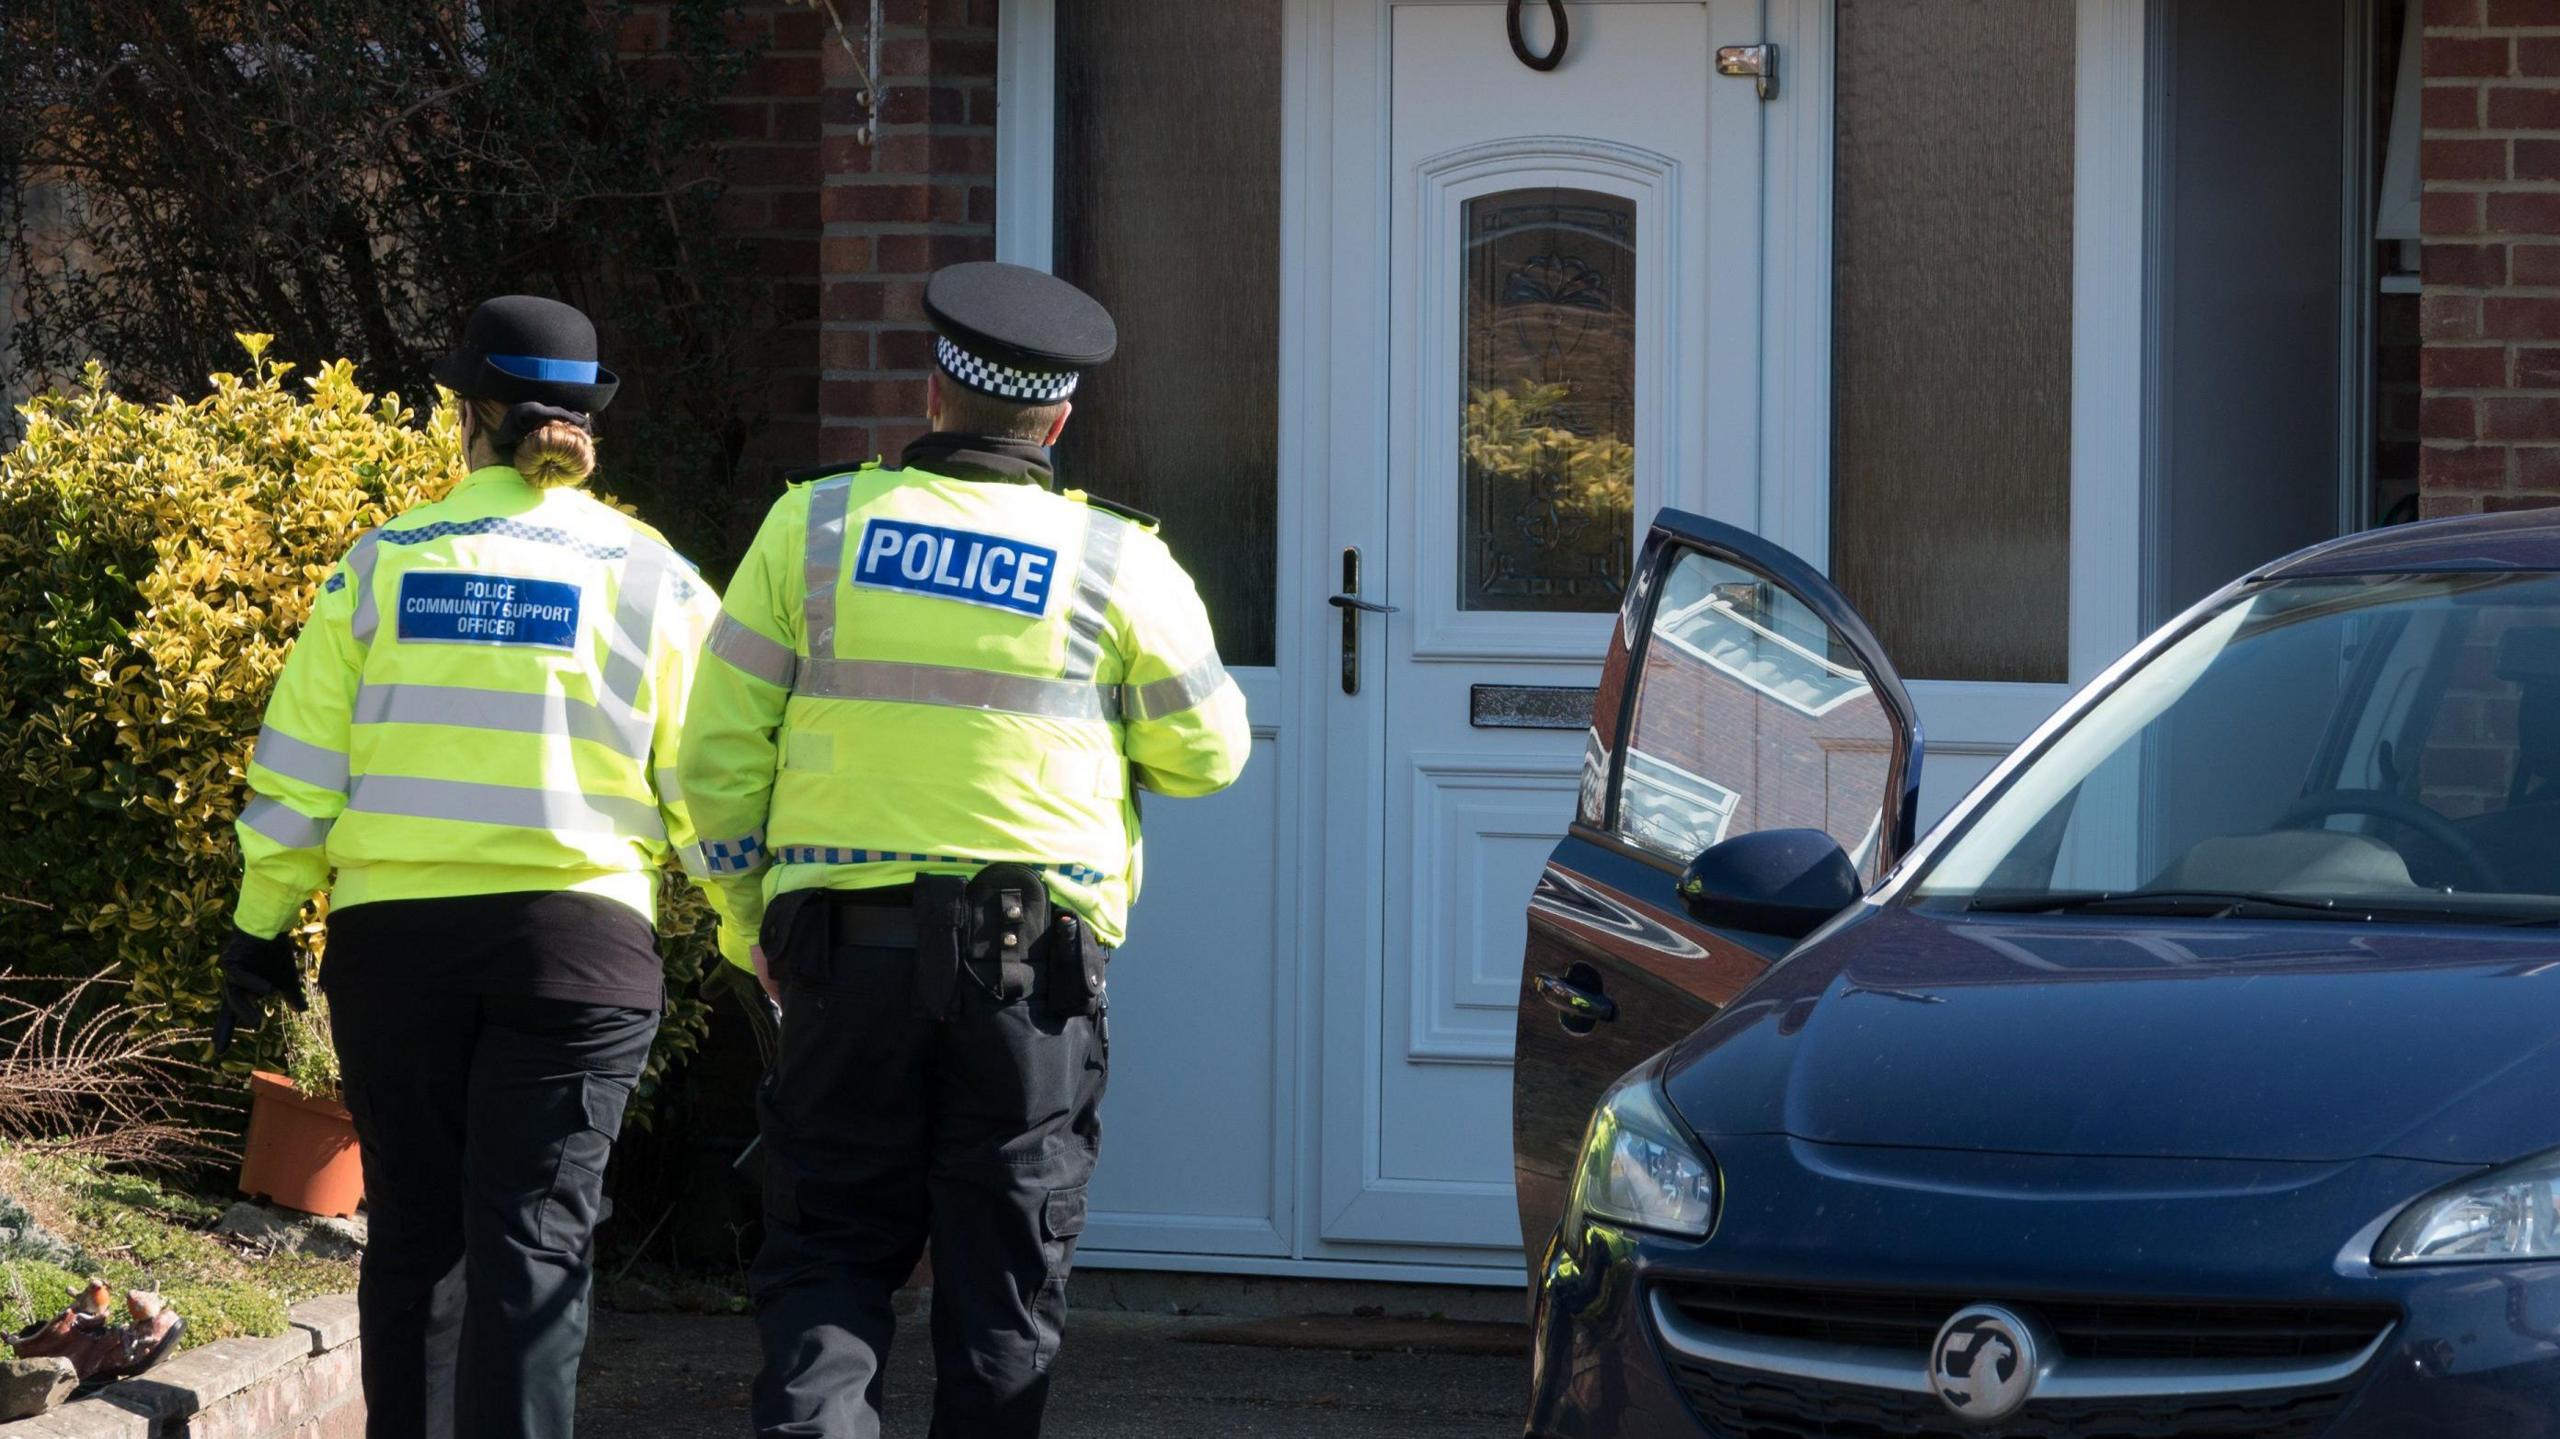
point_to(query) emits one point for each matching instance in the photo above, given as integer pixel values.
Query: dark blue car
(2199, 1075)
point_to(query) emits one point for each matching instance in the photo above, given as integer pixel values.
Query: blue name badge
(976, 569)
(451, 607)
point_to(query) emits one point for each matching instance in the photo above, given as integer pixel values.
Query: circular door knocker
(1555, 52)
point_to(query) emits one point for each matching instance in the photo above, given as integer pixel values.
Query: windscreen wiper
(2236, 904)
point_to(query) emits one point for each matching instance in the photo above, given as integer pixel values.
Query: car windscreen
(2381, 748)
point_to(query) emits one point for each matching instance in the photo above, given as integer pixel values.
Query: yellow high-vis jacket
(917, 674)
(487, 699)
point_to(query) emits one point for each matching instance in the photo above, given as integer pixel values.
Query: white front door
(1570, 304)
(1553, 302)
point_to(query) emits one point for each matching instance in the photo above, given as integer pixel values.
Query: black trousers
(884, 1131)
(485, 1122)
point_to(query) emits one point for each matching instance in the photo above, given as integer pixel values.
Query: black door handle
(1353, 607)
(1366, 607)
(1581, 1007)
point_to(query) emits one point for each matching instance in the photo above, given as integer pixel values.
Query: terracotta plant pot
(302, 1151)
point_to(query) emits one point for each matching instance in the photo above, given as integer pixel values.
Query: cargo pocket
(577, 1183)
(1061, 1221)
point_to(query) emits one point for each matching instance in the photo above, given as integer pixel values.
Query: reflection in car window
(1751, 714)
(1669, 810)
(2383, 741)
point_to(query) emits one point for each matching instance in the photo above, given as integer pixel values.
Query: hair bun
(559, 453)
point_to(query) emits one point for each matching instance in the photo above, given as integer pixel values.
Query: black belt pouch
(1076, 961)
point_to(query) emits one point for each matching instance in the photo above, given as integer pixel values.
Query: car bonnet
(2129, 1037)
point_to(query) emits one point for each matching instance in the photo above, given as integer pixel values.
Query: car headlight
(1640, 1168)
(2510, 1213)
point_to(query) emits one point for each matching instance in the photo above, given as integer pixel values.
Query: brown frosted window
(1168, 210)
(1951, 358)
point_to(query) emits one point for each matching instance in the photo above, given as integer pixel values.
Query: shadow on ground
(1121, 1376)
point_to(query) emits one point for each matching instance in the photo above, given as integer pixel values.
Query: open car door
(1741, 693)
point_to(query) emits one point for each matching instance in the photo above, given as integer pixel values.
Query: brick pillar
(770, 195)
(769, 176)
(921, 197)
(2490, 312)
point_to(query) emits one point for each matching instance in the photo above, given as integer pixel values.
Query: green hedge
(156, 562)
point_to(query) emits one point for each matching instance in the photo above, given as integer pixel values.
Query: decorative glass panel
(1751, 714)
(1168, 211)
(1547, 450)
(1951, 332)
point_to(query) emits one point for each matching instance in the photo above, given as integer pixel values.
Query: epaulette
(1126, 512)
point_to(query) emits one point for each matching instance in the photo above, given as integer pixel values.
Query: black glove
(254, 969)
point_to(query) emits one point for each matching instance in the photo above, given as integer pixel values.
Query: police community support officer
(934, 690)
(477, 732)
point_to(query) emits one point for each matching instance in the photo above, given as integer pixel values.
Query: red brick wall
(2490, 314)
(770, 191)
(921, 197)
(846, 231)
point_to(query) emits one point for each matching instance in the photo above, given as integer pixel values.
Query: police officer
(932, 696)
(476, 734)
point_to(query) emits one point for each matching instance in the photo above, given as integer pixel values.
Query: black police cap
(1020, 333)
(525, 349)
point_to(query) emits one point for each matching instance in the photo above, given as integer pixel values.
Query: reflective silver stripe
(288, 827)
(752, 654)
(1089, 610)
(504, 711)
(689, 858)
(635, 617)
(300, 759)
(360, 574)
(959, 689)
(505, 804)
(825, 561)
(1187, 690)
(670, 786)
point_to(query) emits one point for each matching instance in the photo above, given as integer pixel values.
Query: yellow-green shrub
(156, 562)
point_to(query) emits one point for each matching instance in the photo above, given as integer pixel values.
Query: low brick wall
(305, 1385)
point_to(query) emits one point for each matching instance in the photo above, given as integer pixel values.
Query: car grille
(1889, 1326)
(1733, 1404)
(2087, 1329)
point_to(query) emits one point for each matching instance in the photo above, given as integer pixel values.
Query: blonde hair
(557, 454)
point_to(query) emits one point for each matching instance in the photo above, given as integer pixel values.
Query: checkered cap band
(1036, 387)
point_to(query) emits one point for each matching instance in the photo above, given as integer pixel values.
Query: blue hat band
(537, 367)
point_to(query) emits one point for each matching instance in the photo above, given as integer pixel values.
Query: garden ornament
(100, 1351)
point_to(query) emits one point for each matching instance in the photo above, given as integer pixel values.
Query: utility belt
(996, 929)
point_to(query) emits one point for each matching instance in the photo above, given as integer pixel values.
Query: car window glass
(1751, 713)
(2383, 740)
(2486, 748)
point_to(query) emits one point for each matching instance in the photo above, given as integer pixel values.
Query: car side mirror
(1784, 882)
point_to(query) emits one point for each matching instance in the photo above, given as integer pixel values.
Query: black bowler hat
(1016, 333)
(523, 348)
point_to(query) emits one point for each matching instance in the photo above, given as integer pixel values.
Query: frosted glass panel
(1951, 282)
(1546, 459)
(1168, 210)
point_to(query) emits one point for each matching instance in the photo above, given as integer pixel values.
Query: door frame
(1336, 207)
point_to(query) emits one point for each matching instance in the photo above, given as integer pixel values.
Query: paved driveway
(1122, 1376)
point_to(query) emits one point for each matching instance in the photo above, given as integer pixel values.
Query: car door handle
(1366, 607)
(1574, 1001)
